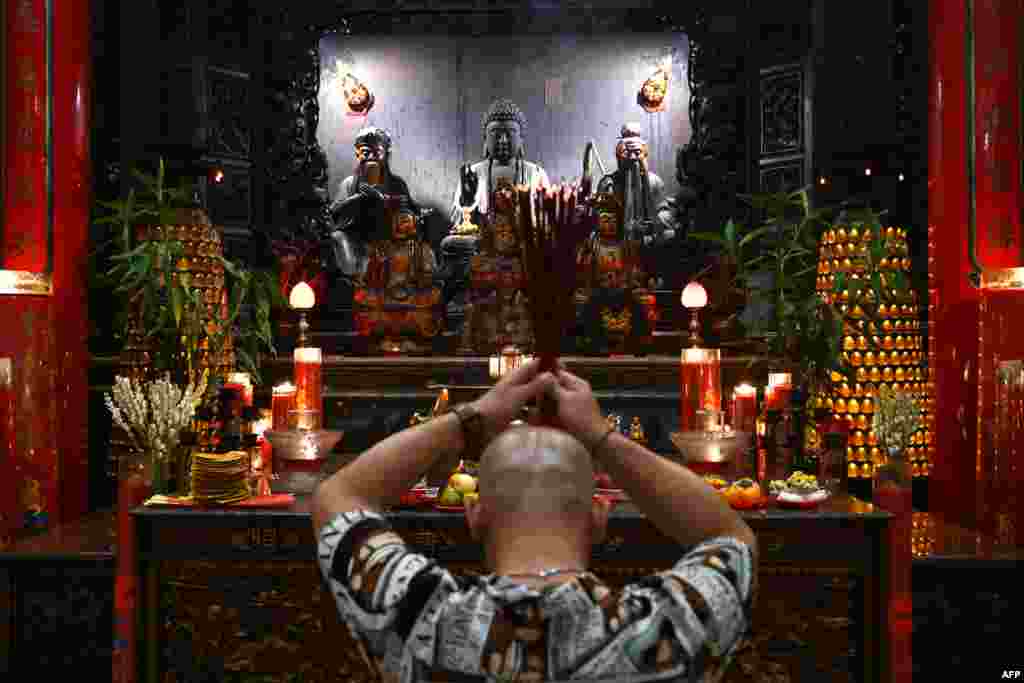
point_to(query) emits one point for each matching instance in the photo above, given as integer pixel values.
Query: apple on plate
(463, 483)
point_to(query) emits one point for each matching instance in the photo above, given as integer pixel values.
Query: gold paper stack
(885, 351)
(220, 478)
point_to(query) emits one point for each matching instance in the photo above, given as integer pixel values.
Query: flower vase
(158, 468)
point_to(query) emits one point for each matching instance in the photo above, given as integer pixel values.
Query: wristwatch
(472, 426)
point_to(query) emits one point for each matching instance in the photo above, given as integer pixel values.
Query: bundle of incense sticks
(551, 227)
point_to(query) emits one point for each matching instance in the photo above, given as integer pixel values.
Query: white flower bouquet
(153, 414)
(897, 418)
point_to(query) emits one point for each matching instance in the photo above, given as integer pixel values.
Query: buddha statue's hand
(469, 182)
(370, 192)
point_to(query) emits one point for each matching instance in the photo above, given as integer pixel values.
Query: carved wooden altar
(237, 596)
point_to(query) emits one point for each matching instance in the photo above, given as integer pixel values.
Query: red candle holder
(744, 408)
(700, 384)
(308, 386)
(779, 394)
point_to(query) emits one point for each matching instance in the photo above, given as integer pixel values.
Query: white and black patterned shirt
(417, 622)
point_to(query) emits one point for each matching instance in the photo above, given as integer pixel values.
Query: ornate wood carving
(782, 130)
(784, 177)
(274, 619)
(230, 127)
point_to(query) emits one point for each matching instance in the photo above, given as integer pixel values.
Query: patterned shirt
(417, 622)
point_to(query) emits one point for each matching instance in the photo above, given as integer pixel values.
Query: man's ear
(599, 511)
(476, 518)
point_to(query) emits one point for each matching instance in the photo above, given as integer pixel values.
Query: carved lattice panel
(782, 130)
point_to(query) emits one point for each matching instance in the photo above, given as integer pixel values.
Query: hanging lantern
(886, 351)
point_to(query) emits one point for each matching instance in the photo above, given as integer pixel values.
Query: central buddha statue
(504, 163)
(483, 245)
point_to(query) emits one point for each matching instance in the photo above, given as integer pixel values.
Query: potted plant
(187, 319)
(179, 304)
(776, 265)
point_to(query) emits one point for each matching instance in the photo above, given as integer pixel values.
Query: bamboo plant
(777, 266)
(159, 296)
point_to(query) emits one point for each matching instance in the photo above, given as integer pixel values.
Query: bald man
(540, 615)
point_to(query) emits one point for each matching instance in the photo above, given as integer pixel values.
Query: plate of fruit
(452, 497)
(744, 494)
(801, 491)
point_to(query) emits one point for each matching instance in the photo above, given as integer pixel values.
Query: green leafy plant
(777, 263)
(181, 329)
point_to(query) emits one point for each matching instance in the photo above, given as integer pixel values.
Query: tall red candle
(780, 391)
(308, 387)
(700, 386)
(744, 408)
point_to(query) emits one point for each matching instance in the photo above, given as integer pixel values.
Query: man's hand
(505, 401)
(578, 411)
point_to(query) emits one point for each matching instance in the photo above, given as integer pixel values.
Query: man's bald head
(536, 470)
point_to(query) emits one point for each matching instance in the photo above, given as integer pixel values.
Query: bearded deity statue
(482, 248)
(397, 302)
(647, 215)
(618, 310)
(365, 207)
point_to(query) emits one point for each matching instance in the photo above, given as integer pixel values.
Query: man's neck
(550, 549)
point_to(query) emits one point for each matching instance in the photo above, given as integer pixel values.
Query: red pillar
(43, 337)
(974, 224)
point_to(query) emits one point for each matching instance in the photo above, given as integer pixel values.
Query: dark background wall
(431, 93)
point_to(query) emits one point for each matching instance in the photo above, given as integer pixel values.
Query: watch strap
(472, 423)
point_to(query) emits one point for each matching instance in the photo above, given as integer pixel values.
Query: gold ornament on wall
(357, 95)
(654, 90)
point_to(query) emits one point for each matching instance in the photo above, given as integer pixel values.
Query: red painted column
(974, 182)
(73, 199)
(952, 300)
(43, 460)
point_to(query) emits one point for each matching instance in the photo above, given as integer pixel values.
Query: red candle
(744, 408)
(282, 401)
(700, 386)
(308, 387)
(241, 382)
(780, 390)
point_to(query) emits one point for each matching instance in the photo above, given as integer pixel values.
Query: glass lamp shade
(694, 296)
(302, 297)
